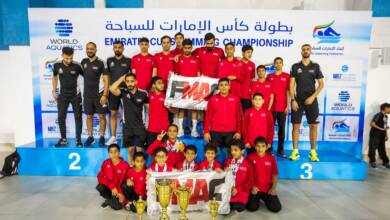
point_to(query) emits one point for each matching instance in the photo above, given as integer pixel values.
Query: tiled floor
(23, 197)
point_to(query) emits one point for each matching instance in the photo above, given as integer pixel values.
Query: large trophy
(213, 205)
(164, 194)
(183, 194)
(140, 206)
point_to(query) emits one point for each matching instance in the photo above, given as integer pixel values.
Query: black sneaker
(281, 154)
(89, 141)
(104, 204)
(61, 142)
(79, 143)
(102, 141)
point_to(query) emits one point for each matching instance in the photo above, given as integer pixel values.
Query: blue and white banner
(340, 41)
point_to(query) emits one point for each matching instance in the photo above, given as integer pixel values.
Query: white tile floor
(24, 197)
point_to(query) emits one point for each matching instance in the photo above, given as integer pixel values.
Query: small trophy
(164, 194)
(140, 207)
(183, 193)
(213, 205)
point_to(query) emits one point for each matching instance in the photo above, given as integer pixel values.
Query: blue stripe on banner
(380, 8)
(124, 4)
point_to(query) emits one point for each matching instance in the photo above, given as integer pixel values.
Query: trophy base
(183, 217)
(164, 217)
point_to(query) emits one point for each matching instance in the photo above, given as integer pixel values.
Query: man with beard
(209, 56)
(304, 75)
(133, 100)
(96, 82)
(117, 66)
(67, 72)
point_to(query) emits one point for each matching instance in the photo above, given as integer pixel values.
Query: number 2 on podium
(74, 165)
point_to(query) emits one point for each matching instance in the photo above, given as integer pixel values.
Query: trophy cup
(213, 205)
(164, 193)
(183, 194)
(140, 207)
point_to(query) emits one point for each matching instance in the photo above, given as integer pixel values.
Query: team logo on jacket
(267, 163)
(124, 65)
(60, 71)
(95, 68)
(85, 66)
(299, 70)
(119, 171)
(112, 64)
(262, 114)
(72, 72)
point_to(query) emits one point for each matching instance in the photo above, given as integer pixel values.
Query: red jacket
(112, 175)
(204, 165)
(139, 180)
(257, 123)
(223, 114)
(180, 166)
(243, 181)
(231, 68)
(208, 60)
(173, 156)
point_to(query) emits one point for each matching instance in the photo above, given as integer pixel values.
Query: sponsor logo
(325, 33)
(63, 29)
(344, 96)
(340, 126)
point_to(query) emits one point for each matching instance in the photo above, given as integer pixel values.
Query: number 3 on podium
(308, 171)
(75, 157)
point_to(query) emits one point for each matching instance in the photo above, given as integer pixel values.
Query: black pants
(62, 105)
(238, 206)
(130, 195)
(271, 202)
(112, 201)
(377, 142)
(150, 138)
(221, 138)
(280, 118)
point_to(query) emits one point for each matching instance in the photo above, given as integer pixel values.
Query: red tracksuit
(257, 123)
(158, 113)
(204, 165)
(209, 60)
(174, 157)
(112, 175)
(231, 68)
(160, 169)
(247, 74)
(223, 114)
(243, 181)
(264, 88)
(177, 51)
(280, 85)
(187, 66)
(139, 180)
(264, 168)
(165, 64)
(143, 66)
(183, 165)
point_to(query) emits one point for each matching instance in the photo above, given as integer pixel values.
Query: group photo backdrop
(340, 41)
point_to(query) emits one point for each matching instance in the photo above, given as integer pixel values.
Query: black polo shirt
(68, 77)
(117, 68)
(380, 120)
(93, 77)
(305, 78)
(133, 107)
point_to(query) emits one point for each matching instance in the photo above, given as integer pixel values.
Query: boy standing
(378, 136)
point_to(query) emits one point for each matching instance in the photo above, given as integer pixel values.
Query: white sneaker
(181, 132)
(194, 133)
(112, 140)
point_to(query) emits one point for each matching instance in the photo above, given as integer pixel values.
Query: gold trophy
(164, 194)
(183, 194)
(140, 207)
(213, 205)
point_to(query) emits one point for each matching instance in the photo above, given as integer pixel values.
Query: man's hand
(234, 191)
(114, 192)
(255, 190)
(161, 135)
(129, 182)
(237, 136)
(176, 58)
(103, 100)
(207, 137)
(54, 93)
(247, 146)
(286, 111)
(294, 105)
(272, 192)
(309, 100)
(231, 78)
(121, 198)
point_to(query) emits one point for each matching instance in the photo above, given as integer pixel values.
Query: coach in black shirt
(378, 136)
(303, 91)
(133, 99)
(96, 81)
(67, 72)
